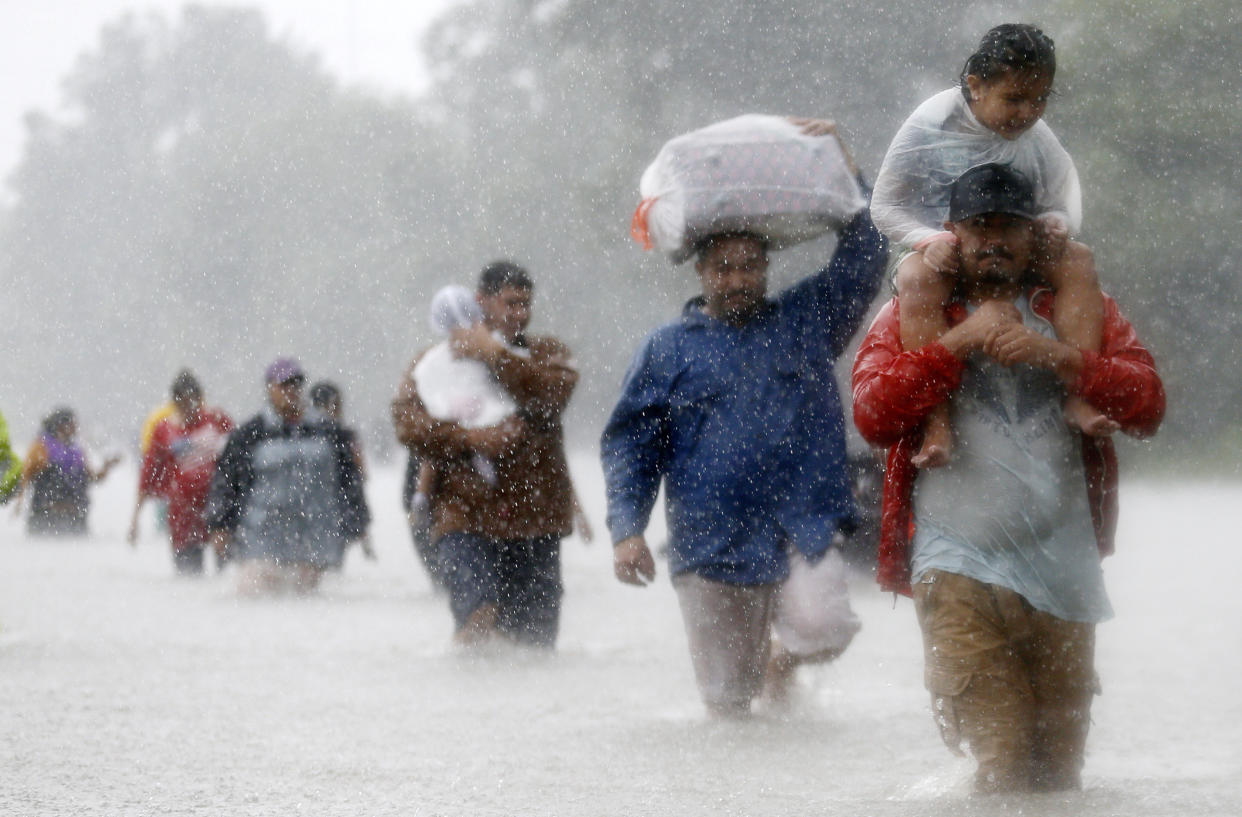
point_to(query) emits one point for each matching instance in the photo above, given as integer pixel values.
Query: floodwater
(127, 691)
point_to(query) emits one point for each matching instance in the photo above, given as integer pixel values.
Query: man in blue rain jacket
(735, 407)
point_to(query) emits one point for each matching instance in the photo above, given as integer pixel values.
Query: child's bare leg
(922, 293)
(1078, 317)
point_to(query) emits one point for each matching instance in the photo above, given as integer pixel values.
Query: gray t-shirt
(1011, 507)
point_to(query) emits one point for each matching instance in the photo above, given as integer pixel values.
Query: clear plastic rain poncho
(459, 389)
(754, 173)
(462, 390)
(941, 140)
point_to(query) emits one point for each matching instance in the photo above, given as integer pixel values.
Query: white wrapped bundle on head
(454, 307)
(754, 173)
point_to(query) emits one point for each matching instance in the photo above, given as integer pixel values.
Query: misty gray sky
(370, 42)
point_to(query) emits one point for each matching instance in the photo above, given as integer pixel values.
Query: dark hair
(500, 274)
(708, 241)
(1016, 47)
(323, 394)
(59, 418)
(185, 383)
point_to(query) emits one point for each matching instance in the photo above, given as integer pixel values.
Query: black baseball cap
(991, 188)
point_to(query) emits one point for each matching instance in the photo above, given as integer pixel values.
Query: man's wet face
(508, 311)
(995, 248)
(733, 272)
(286, 397)
(189, 404)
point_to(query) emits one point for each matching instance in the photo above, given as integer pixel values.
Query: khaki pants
(1017, 683)
(729, 630)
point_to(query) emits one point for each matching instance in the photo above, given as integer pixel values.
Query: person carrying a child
(463, 390)
(1001, 548)
(502, 494)
(460, 389)
(992, 116)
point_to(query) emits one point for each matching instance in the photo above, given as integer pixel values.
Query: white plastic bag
(813, 613)
(753, 173)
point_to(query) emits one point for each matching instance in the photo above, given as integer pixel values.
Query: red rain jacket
(894, 390)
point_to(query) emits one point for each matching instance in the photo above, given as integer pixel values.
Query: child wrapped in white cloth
(462, 390)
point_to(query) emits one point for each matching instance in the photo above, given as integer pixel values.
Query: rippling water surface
(126, 691)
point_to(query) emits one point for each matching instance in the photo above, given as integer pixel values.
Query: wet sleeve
(421, 433)
(10, 465)
(356, 515)
(634, 445)
(901, 203)
(542, 383)
(833, 302)
(894, 390)
(230, 483)
(156, 470)
(1061, 193)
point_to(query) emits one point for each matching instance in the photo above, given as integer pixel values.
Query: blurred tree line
(210, 196)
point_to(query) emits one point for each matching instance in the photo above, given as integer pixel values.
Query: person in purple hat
(287, 494)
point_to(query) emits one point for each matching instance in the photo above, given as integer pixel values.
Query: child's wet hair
(1018, 47)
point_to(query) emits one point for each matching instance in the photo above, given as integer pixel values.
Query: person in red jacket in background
(178, 466)
(1001, 547)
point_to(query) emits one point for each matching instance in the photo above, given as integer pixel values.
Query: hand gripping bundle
(754, 173)
(459, 389)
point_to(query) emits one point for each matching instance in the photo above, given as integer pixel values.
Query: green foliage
(213, 198)
(1151, 100)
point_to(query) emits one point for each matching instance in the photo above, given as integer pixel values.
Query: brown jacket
(533, 495)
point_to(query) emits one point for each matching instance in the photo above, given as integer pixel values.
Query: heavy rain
(207, 189)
